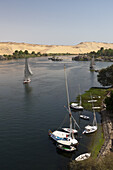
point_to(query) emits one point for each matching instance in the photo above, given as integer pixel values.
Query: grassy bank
(97, 94)
(97, 138)
(96, 142)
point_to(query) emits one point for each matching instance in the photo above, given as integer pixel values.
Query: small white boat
(66, 148)
(76, 106)
(84, 117)
(96, 107)
(83, 157)
(91, 101)
(68, 130)
(73, 105)
(90, 129)
(27, 81)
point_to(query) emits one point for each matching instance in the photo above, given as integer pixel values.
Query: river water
(27, 112)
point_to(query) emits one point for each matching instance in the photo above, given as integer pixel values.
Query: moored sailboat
(69, 138)
(91, 128)
(77, 106)
(27, 72)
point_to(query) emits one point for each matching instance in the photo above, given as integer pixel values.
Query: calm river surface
(27, 112)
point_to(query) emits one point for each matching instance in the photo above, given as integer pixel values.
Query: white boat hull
(68, 142)
(62, 140)
(90, 129)
(68, 130)
(60, 134)
(74, 104)
(27, 81)
(84, 117)
(77, 107)
(83, 157)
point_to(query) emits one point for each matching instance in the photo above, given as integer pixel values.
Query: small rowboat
(66, 148)
(90, 101)
(90, 129)
(83, 157)
(84, 117)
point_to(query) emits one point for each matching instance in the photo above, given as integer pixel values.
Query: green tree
(26, 52)
(16, 52)
(109, 102)
(33, 53)
(105, 76)
(20, 52)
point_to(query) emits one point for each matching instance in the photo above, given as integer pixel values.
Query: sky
(56, 22)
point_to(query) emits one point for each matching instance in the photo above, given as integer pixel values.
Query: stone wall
(108, 133)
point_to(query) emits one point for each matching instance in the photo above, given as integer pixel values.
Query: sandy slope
(84, 47)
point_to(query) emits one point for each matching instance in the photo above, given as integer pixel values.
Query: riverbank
(107, 124)
(101, 150)
(103, 147)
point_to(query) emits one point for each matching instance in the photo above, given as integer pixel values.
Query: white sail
(27, 71)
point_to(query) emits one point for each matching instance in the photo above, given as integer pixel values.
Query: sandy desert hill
(83, 47)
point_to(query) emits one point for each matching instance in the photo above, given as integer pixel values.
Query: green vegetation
(97, 94)
(22, 54)
(96, 142)
(102, 52)
(105, 76)
(109, 103)
(93, 164)
(100, 55)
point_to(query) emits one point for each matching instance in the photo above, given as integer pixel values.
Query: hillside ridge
(83, 47)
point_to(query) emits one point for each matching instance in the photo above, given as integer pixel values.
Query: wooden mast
(70, 114)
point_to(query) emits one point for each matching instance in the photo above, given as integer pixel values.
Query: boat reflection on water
(28, 89)
(65, 154)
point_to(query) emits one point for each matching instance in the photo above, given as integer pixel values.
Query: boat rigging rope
(73, 118)
(66, 117)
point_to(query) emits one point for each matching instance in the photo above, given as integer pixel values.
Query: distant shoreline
(8, 48)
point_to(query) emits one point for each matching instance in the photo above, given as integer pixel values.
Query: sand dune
(83, 47)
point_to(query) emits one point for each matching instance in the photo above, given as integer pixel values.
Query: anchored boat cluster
(65, 139)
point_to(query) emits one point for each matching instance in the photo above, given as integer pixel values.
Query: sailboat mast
(80, 102)
(70, 114)
(94, 115)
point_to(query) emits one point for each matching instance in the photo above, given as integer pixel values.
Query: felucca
(92, 64)
(27, 72)
(60, 137)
